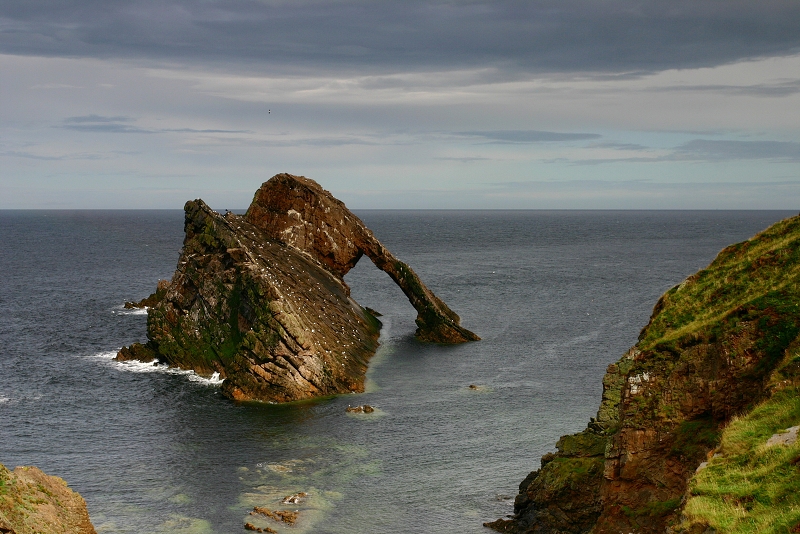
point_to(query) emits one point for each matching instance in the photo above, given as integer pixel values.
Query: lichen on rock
(260, 299)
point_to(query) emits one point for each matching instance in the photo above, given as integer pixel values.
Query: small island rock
(260, 299)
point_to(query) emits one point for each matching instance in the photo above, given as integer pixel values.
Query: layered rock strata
(261, 300)
(706, 355)
(298, 212)
(32, 502)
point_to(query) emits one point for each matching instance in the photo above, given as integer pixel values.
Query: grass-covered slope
(758, 274)
(711, 351)
(750, 485)
(32, 502)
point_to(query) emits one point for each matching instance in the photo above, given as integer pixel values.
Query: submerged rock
(261, 300)
(366, 408)
(33, 502)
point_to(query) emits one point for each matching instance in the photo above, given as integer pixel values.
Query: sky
(537, 104)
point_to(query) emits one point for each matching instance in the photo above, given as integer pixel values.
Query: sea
(556, 296)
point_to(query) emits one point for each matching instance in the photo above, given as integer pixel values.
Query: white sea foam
(121, 310)
(16, 399)
(135, 366)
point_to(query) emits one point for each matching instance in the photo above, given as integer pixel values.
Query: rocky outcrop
(32, 502)
(260, 299)
(298, 212)
(706, 355)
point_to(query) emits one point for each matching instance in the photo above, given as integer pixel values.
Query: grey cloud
(102, 124)
(705, 149)
(99, 123)
(619, 146)
(192, 130)
(96, 118)
(466, 159)
(527, 136)
(714, 150)
(777, 89)
(605, 36)
(107, 128)
(30, 155)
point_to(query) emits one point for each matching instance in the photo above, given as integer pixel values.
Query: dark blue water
(556, 297)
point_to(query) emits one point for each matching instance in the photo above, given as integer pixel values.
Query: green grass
(769, 263)
(752, 488)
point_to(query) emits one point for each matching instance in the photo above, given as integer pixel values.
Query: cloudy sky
(632, 104)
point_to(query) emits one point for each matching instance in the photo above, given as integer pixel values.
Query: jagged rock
(706, 355)
(144, 353)
(152, 300)
(360, 409)
(295, 498)
(287, 516)
(260, 299)
(298, 212)
(32, 502)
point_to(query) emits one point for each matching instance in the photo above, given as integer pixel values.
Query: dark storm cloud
(527, 136)
(606, 36)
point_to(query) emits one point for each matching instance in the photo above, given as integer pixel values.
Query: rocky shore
(260, 299)
(717, 345)
(32, 502)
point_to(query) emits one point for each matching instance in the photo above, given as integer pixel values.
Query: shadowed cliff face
(260, 299)
(707, 354)
(298, 212)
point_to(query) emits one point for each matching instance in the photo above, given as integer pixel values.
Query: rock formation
(32, 502)
(706, 355)
(298, 212)
(261, 300)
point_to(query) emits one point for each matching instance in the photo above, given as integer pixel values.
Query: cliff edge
(260, 299)
(715, 348)
(32, 502)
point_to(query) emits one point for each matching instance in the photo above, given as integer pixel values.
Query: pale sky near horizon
(607, 104)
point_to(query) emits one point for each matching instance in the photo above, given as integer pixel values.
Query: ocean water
(556, 297)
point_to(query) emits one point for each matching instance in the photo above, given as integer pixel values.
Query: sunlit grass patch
(750, 487)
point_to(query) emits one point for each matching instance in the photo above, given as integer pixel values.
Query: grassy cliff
(32, 502)
(712, 365)
(751, 483)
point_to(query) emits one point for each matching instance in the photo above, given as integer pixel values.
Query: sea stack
(261, 300)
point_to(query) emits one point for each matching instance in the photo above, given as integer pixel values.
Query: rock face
(260, 299)
(298, 212)
(706, 355)
(32, 502)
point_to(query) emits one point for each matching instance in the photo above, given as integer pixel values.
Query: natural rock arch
(300, 213)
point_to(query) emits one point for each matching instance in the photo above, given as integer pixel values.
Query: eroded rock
(260, 298)
(298, 212)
